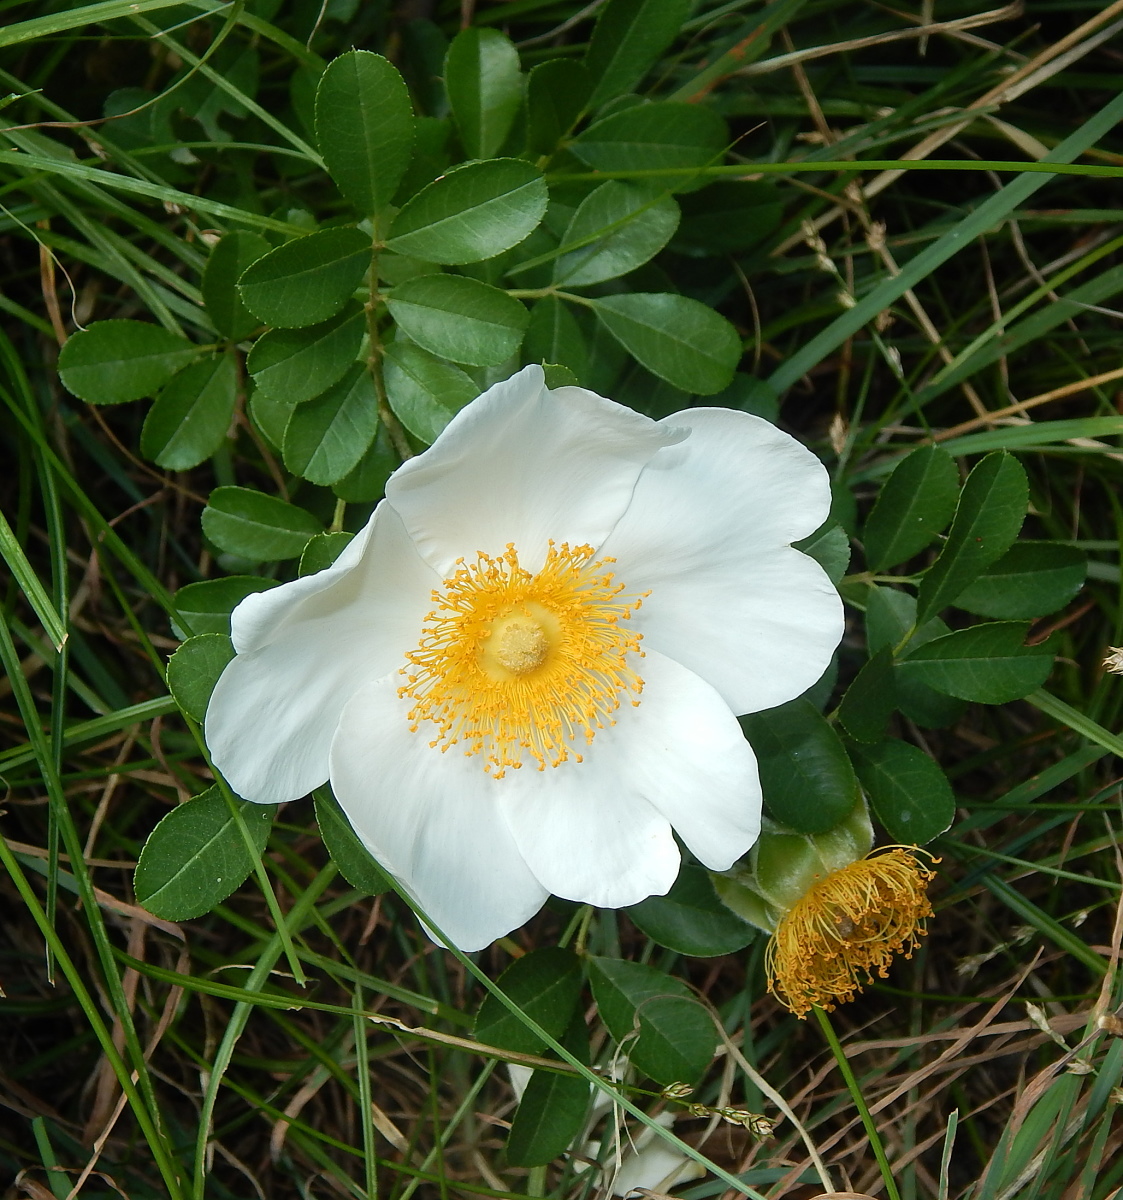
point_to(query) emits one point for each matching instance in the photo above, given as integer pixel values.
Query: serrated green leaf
(674, 337)
(229, 258)
(990, 513)
(364, 127)
(367, 481)
(270, 415)
(554, 336)
(805, 774)
(424, 392)
(648, 137)
(615, 229)
(556, 93)
(629, 37)
(256, 526)
(552, 1109)
(206, 606)
(870, 699)
(115, 361)
(914, 506)
(986, 663)
(191, 416)
(322, 551)
(485, 88)
(1032, 579)
(459, 319)
(476, 211)
(677, 1039)
(193, 670)
(545, 984)
(307, 280)
(327, 436)
(294, 365)
(354, 861)
(830, 548)
(676, 1035)
(196, 856)
(910, 795)
(690, 919)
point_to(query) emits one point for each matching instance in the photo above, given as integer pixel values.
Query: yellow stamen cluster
(849, 923)
(514, 666)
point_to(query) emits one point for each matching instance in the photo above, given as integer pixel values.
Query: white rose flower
(525, 671)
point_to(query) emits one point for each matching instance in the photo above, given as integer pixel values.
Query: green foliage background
(254, 255)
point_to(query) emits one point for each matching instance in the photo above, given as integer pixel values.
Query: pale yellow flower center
(515, 667)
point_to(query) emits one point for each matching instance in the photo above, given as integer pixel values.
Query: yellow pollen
(848, 924)
(518, 667)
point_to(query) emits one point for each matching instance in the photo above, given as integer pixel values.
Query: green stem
(859, 1103)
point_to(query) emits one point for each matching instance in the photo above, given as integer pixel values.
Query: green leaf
(191, 416)
(617, 228)
(231, 255)
(554, 336)
(890, 615)
(676, 1039)
(321, 552)
(270, 415)
(353, 859)
(910, 795)
(296, 364)
(307, 280)
(690, 919)
(653, 136)
(991, 510)
(546, 985)
(367, 481)
(914, 506)
(256, 526)
(473, 212)
(805, 774)
(364, 127)
(206, 606)
(1032, 579)
(193, 670)
(829, 546)
(196, 856)
(553, 1107)
(556, 93)
(729, 217)
(485, 88)
(459, 319)
(326, 437)
(674, 337)
(870, 699)
(115, 361)
(987, 663)
(629, 38)
(424, 392)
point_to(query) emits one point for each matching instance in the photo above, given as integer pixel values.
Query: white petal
(523, 464)
(599, 831)
(431, 819)
(304, 648)
(707, 532)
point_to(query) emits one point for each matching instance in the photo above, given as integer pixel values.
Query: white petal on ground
(522, 464)
(707, 533)
(433, 820)
(653, 1164)
(305, 648)
(600, 831)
